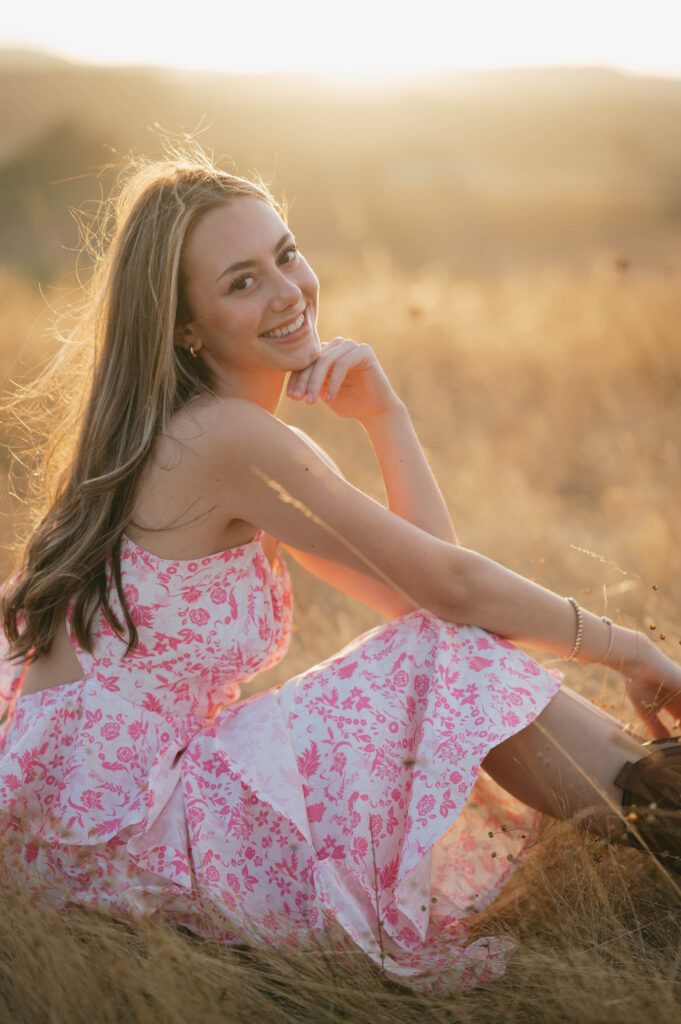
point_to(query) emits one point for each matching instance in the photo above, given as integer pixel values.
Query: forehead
(244, 228)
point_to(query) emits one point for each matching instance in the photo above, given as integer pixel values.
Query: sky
(355, 37)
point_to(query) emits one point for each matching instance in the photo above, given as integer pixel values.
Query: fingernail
(309, 397)
(295, 392)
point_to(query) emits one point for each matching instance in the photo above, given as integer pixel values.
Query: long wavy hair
(136, 377)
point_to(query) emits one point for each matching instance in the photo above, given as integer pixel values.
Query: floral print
(348, 804)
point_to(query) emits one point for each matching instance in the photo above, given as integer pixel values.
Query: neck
(264, 388)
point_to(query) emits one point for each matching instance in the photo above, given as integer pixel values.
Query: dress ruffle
(91, 801)
(364, 800)
(351, 797)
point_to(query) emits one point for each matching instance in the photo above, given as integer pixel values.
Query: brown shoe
(651, 798)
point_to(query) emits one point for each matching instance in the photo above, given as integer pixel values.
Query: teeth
(281, 332)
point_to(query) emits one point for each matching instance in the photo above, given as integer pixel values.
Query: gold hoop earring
(195, 354)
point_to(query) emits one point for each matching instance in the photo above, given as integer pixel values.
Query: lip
(296, 334)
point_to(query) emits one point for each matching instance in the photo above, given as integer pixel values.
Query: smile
(283, 332)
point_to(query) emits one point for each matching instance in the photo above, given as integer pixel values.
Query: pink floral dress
(349, 802)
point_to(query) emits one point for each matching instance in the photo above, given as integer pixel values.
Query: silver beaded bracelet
(580, 630)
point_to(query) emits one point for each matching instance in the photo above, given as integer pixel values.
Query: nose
(287, 292)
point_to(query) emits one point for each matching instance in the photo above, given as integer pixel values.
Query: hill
(474, 169)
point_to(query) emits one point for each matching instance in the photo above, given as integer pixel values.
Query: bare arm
(262, 472)
(362, 588)
(267, 475)
(349, 377)
(410, 486)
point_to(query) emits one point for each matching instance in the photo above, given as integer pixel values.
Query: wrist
(629, 651)
(599, 641)
(377, 421)
(616, 647)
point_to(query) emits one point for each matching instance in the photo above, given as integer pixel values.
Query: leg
(566, 761)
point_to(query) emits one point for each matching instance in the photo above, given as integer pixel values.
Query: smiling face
(246, 285)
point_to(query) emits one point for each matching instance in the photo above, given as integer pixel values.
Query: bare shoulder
(252, 467)
(230, 429)
(214, 414)
(212, 427)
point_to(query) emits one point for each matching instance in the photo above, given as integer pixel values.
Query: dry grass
(598, 941)
(549, 408)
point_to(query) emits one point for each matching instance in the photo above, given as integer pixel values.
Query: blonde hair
(136, 378)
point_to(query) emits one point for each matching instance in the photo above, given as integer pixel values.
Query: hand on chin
(307, 355)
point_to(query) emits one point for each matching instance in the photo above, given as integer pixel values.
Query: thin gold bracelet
(611, 627)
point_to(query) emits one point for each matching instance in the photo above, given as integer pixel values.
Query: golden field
(548, 402)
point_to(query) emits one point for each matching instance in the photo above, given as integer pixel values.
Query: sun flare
(359, 38)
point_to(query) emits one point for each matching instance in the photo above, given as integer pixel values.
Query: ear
(186, 336)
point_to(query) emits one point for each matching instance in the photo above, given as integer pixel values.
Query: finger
(656, 729)
(299, 385)
(292, 390)
(339, 372)
(668, 702)
(324, 365)
(673, 707)
(358, 355)
(299, 380)
(363, 356)
(653, 725)
(650, 719)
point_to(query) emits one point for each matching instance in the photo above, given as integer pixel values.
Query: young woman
(389, 790)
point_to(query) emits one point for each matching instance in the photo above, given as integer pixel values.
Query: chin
(305, 355)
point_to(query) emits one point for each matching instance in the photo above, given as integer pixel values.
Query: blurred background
(490, 195)
(481, 138)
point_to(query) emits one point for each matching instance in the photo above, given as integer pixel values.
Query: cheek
(246, 321)
(232, 318)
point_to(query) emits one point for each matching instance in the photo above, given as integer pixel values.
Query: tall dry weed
(548, 404)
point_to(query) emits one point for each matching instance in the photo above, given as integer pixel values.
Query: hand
(349, 378)
(653, 686)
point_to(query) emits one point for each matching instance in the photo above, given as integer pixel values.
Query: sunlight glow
(357, 37)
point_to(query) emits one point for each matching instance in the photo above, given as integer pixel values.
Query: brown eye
(292, 249)
(240, 283)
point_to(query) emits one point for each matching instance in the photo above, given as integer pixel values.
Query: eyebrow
(242, 264)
